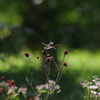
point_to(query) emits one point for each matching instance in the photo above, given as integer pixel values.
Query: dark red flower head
(26, 54)
(37, 57)
(65, 64)
(1, 90)
(44, 52)
(65, 52)
(30, 99)
(48, 55)
(48, 60)
(2, 77)
(11, 83)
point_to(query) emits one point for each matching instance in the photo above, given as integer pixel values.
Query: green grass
(78, 58)
(18, 61)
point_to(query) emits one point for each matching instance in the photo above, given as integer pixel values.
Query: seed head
(11, 83)
(48, 60)
(44, 52)
(48, 55)
(1, 90)
(37, 57)
(65, 64)
(65, 52)
(51, 57)
(26, 54)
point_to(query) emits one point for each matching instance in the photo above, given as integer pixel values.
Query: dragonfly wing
(51, 43)
(53, 47)
(47, 48)
(44, 44)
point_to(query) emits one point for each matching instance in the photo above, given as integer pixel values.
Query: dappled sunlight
(82, 64)
(19, 62)
(4, 31)
(84, 59)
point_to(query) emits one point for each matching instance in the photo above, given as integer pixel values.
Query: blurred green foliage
(29, 22)
(18, 62)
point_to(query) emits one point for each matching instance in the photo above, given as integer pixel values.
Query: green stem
(59, 72)
(30, 84)
(47, 96)
(55, 96)
(36, 65)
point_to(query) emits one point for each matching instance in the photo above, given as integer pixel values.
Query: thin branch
(36, 65)
(30, 84)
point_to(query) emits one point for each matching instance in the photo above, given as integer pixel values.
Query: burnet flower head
(65, 52)
(26, 54)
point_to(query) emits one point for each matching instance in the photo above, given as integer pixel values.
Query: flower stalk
(51, 86)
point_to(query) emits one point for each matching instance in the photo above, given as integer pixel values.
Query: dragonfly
(50, 45)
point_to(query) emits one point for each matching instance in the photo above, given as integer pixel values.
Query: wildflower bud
(51, 57)
(44, 53)
(11, 83)
(26, 54)
(1, 90)
(65, 52)
(2, 77)
(37, 57)
(65, 64)
(48, 60)
(30, 99)
(48, 55)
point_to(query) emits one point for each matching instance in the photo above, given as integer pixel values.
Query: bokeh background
(75, 24)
